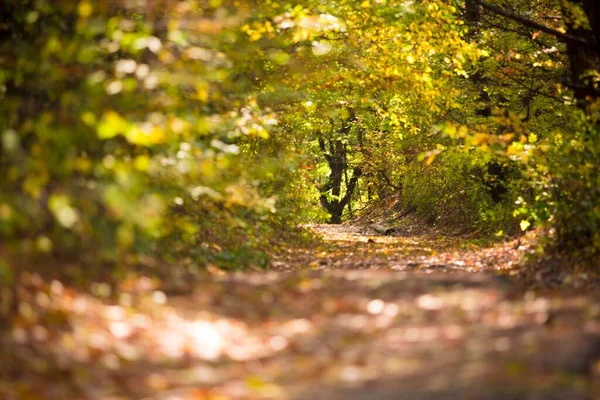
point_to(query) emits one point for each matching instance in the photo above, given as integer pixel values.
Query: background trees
(545, 71)
(198, 129)
(122, 126)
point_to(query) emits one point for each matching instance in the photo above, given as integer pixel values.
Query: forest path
(362, 316)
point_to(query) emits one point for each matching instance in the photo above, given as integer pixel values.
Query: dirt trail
(361, 317)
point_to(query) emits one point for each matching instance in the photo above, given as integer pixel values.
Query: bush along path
(358, 316)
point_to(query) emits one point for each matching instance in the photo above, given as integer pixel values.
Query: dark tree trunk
(583, 58)
(472, 12)
(335, 152)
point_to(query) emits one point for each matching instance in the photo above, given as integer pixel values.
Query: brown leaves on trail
(353, 320)
(358, 247)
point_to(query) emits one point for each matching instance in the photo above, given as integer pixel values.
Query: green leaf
(6, 272)
(111, 125)
(60, 206)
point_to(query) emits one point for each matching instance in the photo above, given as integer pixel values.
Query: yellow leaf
(85, 9)
(142, 163)
(254, 35)
(430, 159)
(111, 125)
(145, 134)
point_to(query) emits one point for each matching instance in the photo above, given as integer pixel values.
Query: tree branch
(324, 202)
(531, 89)
(346, 199)
(535, 25)
(324, 150)
(387, 180)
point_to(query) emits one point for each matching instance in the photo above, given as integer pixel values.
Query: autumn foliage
(199, 131)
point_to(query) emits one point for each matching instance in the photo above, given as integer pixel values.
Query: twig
(535, 25)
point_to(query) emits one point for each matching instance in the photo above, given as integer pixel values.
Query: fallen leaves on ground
(359, 317)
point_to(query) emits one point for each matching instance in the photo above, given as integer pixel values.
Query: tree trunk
(335, 152)
(472, 12)
(584, 58)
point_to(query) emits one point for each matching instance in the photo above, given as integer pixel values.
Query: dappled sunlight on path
(360, 317)
(354, 247)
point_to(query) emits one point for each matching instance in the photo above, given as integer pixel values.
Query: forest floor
(359, 316)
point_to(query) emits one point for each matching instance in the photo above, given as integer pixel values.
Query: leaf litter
(358, 316)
